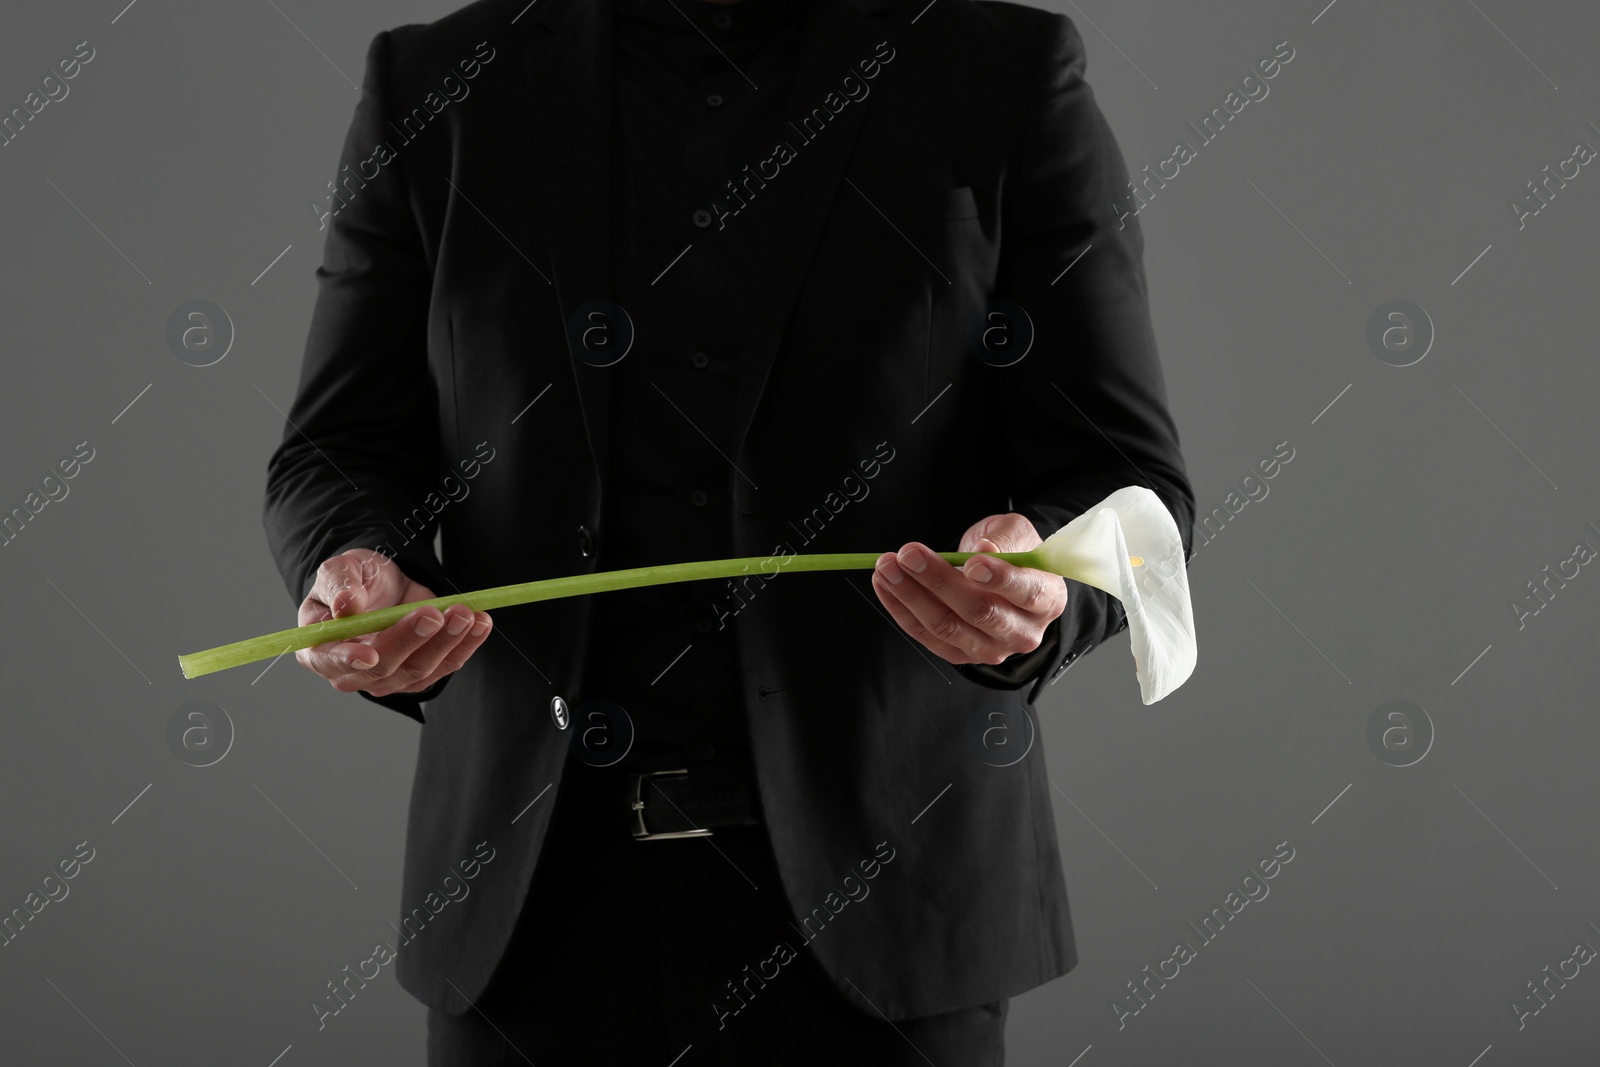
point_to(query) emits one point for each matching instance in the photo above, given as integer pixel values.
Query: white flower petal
(1094, 549)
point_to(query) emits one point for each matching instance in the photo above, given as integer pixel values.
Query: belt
(672, 805)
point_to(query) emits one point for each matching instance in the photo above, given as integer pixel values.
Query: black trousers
(638, 942)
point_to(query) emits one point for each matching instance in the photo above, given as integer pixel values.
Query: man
(613, 284)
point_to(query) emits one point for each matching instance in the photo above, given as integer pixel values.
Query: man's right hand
(409, 656)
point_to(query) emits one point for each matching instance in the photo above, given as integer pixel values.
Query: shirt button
(700, 359)
(703, 625)
(722, 20)
(702, 218)
(714, 100)
(705, 750)
(558, 712)
(697, 497)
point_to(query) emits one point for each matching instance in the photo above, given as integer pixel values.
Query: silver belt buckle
(641, 832)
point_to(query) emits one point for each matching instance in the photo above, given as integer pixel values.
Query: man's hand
(409, 656)
(982, 613)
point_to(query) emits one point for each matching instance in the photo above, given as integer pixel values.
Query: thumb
(343, 586)
(976, 538)
(1007, 533)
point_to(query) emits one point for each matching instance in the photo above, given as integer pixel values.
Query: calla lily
(1129, 546)
(1093, 548)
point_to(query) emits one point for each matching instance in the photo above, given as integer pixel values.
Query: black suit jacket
(975, 166)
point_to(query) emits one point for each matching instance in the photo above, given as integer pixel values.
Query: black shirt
(700, 93)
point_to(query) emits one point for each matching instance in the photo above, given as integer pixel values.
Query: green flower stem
(267, 646)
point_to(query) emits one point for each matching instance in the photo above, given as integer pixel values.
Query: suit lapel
(838, 33)
(570, 87)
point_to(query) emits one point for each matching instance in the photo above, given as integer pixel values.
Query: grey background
(1379, 567)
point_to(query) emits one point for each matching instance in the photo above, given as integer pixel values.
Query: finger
(332, 659)
(889, 597)
(336, 659)
(953, 593)
(425, 659)
(389, 648)
(1039, 593)
(938, 620)
(457, 658)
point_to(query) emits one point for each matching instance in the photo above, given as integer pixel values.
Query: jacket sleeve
(1086, 407)
(360, 448)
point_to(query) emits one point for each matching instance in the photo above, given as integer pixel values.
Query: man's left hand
(984, 611)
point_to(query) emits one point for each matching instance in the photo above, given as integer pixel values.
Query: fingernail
(480, 629)
(979, 571)
(891, 570)
(361, 663)
(457, 624)
(915, 559)
(428, 625)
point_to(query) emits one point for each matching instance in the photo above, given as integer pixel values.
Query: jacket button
(558, 712)
(698, 497)
(701, 218)
(700, 359)
(585, 542)
(705, 750)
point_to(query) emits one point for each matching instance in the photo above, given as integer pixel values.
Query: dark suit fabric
(684, 116)
(641, 952)
(978, 167)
